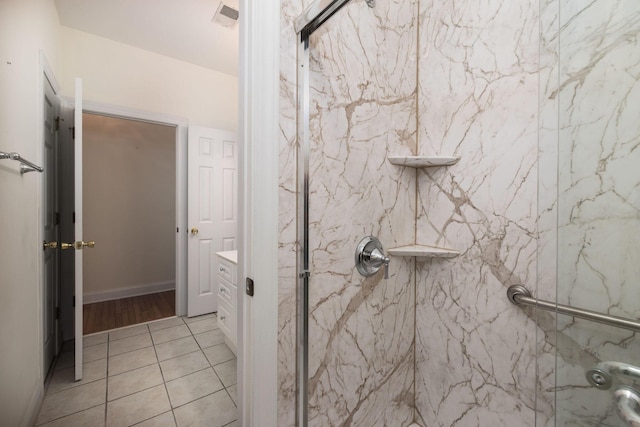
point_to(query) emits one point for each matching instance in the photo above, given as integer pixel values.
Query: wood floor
(102, 316)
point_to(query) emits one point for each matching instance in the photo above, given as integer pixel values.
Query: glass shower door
(361, 108)
(598, 206)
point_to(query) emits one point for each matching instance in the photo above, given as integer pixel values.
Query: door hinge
(249, 287)
(177, 229)
(73, 132)
(57, 125)
(74, 300)
(57, 312)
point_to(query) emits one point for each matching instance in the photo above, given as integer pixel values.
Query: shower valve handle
(370, 257)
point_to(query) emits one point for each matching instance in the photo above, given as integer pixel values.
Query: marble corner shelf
(423, 251)
(422, 161)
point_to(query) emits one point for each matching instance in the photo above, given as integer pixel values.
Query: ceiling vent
(225, 15)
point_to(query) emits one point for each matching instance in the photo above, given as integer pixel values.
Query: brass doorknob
(66, 246)
(50, 245)
(194, 231)
(90, 244)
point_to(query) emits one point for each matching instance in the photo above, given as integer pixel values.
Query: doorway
(130, 211)
(173, 181)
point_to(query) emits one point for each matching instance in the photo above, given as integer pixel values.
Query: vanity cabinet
(228, 296)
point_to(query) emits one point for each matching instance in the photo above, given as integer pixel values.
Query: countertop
(231, 256)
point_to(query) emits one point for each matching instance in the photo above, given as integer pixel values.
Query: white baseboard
(30, 417)
(132, 291)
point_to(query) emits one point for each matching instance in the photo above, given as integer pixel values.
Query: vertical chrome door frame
(312, 19)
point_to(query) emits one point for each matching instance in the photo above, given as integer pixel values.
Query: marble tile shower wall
(478, 99)
(363, 108)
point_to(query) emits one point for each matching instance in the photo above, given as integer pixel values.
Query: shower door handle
(628, 405)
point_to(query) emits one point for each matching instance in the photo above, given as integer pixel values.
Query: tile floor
(173, 372)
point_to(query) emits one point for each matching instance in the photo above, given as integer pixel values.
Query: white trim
(31, 414)
(48, 71)
(181, 125)
(258, 253)
(45, 71)
(127, 292)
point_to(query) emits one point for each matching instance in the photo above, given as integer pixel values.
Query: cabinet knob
(223, 318)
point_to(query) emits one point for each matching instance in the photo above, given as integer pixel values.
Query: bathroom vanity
(228, 296)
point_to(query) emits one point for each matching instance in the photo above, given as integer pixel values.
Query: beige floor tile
(133, 381)
(188, 320)
(132, 360)
(218, 354)
(64, 379)
(76, 399)
(183, 365)
(95, 352)
(93, 417)
(95, 339)
(203, 326)
(227, 372)
(192, 387)
(176, 348)
(126, 345)
(166, 323)
(211, 338)
(233, 393)
(137, 407)
(128, 332)
(164, 420)
(170, 334)
(214, 410)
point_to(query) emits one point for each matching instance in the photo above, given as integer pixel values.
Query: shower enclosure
(530, 111)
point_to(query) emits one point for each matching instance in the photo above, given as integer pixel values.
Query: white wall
(118, 74)
(128, 204)
(26, 27)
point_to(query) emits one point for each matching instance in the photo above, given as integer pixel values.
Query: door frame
(181, 125)
(46, 73)
(258, 171)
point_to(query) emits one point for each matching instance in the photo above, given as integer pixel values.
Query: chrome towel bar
(25, 165)
(519, 295)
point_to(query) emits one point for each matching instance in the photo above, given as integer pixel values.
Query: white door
(212, 212)
(50, 236)
(77, 181)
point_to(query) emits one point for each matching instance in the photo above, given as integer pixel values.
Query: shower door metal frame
(312, 19)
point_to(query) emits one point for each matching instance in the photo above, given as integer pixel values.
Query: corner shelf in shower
(423, 161)
(422, 251)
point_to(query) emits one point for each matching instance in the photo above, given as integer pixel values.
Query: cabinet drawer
(227, 270)
(227, 321)
(227, 291)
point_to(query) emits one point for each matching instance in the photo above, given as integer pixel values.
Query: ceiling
(181, 29)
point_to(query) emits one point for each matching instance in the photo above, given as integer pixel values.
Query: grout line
(106, 384)
(70, 414)
(166, 390)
